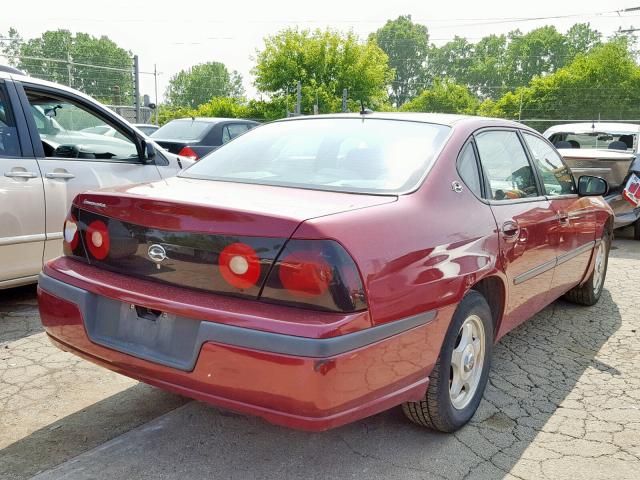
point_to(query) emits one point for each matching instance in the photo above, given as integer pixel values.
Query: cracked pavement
(563, 402)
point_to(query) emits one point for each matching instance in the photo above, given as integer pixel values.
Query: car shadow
(85, 429)
(18, 313)
(535, 370)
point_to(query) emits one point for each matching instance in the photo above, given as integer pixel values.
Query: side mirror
(149, 152)
(589, 186)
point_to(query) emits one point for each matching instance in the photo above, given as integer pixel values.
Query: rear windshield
(338, 154)
(607, 140)
(182, 130)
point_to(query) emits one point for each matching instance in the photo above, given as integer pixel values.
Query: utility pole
(155, 81)
(136, 86)
(345, 93)
(70, 77)
(298, 98)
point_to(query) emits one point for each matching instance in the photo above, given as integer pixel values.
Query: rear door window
(231, 131)
(506, 166)
(9, 146)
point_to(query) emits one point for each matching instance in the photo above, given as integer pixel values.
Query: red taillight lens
(305, 274)
(71, 233)
(317, 274)
(97, 239)
(188, 153)
(239, 265)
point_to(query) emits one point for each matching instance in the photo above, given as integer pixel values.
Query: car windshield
(182, 130)
(338, 154)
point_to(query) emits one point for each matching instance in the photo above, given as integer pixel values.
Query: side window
(506, 165)
(231, 131)
(556, 176)
(9, 146)
(468, 169)
(68, 130)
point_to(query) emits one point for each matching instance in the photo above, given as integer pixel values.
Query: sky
(178, 34)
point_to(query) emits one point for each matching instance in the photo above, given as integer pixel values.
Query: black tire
(636, 230)
(587, 294)
(436, 410)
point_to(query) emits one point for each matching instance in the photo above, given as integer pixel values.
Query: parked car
(319, 270)
(607, 150)
(146, 128)
(193, 138)
(50, 151)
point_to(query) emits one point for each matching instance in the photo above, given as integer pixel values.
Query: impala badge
(157, 254)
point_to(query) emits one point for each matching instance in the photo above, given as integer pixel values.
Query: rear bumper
(305, 383)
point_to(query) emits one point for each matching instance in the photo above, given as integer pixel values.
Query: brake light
(305, 274)
(97, 239)
(70, 232)
(318, 274)
(188, 153)
(239, 265)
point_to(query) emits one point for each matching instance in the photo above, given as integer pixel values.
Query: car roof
(588, 127)
(437, 118)
(212, 119)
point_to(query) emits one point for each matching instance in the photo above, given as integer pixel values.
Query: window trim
(537, 172)
(109, 119)
(483, 188)
(510, 201)
(10, 98)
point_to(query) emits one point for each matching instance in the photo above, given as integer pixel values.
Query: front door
(74, 158)
(21, 202)
(526, 223)
(576, 219)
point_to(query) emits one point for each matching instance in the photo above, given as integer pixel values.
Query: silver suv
(50, 152)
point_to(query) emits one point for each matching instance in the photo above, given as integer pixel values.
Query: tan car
(49, 154)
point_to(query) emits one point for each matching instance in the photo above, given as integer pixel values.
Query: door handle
(63, 175)
(21, 174)
(510, 230)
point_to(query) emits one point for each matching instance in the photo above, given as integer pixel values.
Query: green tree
(200, 83)
(407, 45)
(453, 60)
(90, 64)
(605, 83)
(444, 96)
(325, 62)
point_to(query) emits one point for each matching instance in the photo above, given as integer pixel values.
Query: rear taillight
(239, 265)
(188, 152)
(71, 233)
(318, 274)
(97, 239)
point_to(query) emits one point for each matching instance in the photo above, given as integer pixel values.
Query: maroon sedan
(315, 271)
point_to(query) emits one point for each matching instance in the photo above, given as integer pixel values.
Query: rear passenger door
(576, 220)
(22, 227)
(526, 223)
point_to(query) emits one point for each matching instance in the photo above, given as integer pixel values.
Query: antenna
(363, 109)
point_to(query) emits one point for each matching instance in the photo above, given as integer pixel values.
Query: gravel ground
(563, 402)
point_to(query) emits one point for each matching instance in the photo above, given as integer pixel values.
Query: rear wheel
(458, 379)
(636, 230)
(589, 292)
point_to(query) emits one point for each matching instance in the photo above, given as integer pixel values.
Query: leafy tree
(603, 83)
(325, 62)
(453, 60)
(581, 38)
(444, 96)
(200, 83)
(407, 46)
(93, 65)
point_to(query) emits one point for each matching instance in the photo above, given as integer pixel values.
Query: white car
(48, 154)
(607, 150)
